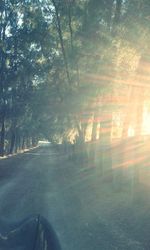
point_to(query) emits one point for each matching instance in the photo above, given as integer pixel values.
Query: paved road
(72, 198)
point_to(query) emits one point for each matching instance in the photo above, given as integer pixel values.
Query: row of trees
(65, 65)
(22, 32)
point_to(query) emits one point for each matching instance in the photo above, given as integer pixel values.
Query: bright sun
(146, 122)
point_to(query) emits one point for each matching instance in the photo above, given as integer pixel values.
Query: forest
(76, 72)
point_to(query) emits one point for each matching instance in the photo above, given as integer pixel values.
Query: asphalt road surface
(84, 213)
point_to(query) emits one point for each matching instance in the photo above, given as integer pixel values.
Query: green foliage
(55, 56)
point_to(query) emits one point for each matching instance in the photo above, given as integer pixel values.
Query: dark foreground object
(34, 233)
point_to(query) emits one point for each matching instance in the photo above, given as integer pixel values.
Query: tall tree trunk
(139, 112)
(117, 16)
(19, 141)
(118, 11)
(28, 142)
(80, 142)
(94, 128)
(23, 142)
(105, 141)
(68, 5)
(13, 136)
(34, 141)
(93, 139)
(128, 114)
(75, 61)
(110, 13)
(2, 83)
(2, 137)
(58, 25)
(12, 142)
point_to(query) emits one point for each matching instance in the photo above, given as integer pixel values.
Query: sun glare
(131, 131)
(146, 122)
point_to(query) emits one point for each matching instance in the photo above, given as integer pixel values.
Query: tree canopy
(64, 64)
